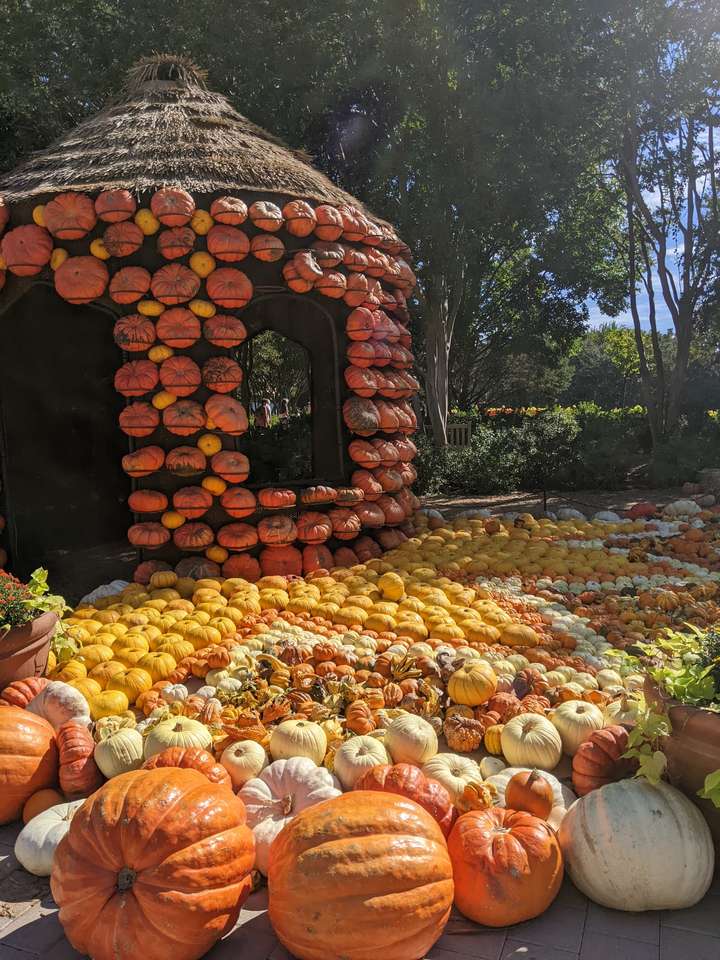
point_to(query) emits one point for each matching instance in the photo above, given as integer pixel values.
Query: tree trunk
(678, 378)
(437, 348)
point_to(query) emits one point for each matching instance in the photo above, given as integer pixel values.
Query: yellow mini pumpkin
(109, 703)
(132, 682)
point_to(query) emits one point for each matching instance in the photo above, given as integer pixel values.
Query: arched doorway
(64, 492)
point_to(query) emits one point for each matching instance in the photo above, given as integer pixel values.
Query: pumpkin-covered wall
(184, 278)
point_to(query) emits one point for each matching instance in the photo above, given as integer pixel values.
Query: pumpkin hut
(141, 254)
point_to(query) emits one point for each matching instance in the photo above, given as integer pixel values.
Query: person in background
(263, 414)
(284, 412)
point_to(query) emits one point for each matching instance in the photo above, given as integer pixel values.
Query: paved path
(572, 929)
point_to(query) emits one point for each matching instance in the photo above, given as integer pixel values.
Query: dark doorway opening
(64, 491)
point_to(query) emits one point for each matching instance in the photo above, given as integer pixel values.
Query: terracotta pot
(692, 750)
(24, 650)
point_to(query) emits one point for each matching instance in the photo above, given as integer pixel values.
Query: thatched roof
(166, 128)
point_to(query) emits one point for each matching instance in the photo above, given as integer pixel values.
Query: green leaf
(711, 788)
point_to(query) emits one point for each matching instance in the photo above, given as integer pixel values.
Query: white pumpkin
(58, 703)
(298, 738)
(283, 790)
(624, 711)
(563, 797)
(175, 692)
(119, 751)
(634, 846)
(453, 772)
(531, 741)
(213, 677)
(575, 720)
(230, 685)
(608, 678)
(355, 757)
(489, 766)
(410, 739)
(243, 760)
(206, 692)
(37, 841)
(177, 732)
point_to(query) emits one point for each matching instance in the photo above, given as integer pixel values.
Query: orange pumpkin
(273, 498)
(380, 877)
(70, 216)
(237, 536)
(409, 781)
(221, 374)
(318, 494)
(185, 461)
(143, 462)
(123, 239)
(366, 481)
(173, 206)
(129, 284)
(345, 523)
(136, 377)
(360, 324)
(184, 418)
(300, 220)
(327, 254)
(115, 205)
(238, 502)
(329, 222)
(313, 527)
(227, 414)
(231, 465)
(139, 419)
(134, 333)
(281, 561)
(149, 535)
(28, 758)
(507, 865)
(316, 558)
(228, 287)
(277, 531)
(266, 216)
(193, 536)
(79, 774)
(180, 376)
(26, 249)
(227, 243)
(267, 248)
(528, 790)
(138, 852)
(230, 210)
(19, 693)
(332, 284)
(244, 566)
(191, 758)
(192, 502)
(81, 279)
(176, 242)
(147, 501)
(178, 328)
(599, 760)
(174, 283)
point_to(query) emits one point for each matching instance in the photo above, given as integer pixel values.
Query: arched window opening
(277, 392)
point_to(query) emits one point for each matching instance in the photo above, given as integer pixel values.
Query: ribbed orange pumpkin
(174, 283)
(300, 220)
(284, 561)
(227, 414)
(267, 248)
(328, 254)
(362, 381)
(184, 418)
(238, 502)
(185, 461)
(176, 242)
(147, 501)
(28, 756)
(507, 864)
(70, 216)
(223, 330)
(370, 515)
(318, 494)
(369, 485)
(180, 375)
(129, 284)
(123, 239)
(380, 874)
(229, 288)
(361, 416)
(272, 498)
(26, 249)
(231, 210)
(316, 557)
(405, 780)
(178, 327)
(314, 527)
(345, 557)
(193, 536)
(134, 333)
(329, 222)
(148, 535)
(221, 374)
(242, 565)
(237, 536)
(19, 693)
(277, 531)
(227, 243)
(599, 760)
(389, 480)
(364, 453)
(136, 377)
(191, 758)
(332, 284)
(173, 206)
(81, 279)
(79, 775)
(139, 419)
(356, 291)
(231, 465)
(143, 462)
(266, 216)
(115, 205)
(348, 496)
(192, 502)
(143, 847)
(361, 353)
(345, 523)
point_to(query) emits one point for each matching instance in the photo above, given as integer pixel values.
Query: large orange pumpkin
(221, 374)
(134, 333)
(377, 870)
(178, 327)
(238, 502)
(81, 279)
(143, 462)
(282, 561)
(231, 465)
(180, 375)
(193, 536)
(69, 216)
(184, 418)
(223, 330)
(139, 419)
(123, 239)
(174, 283)
(19, 693)
(114, 205)
(136, 377)
(147, 501)
(237, 536)
(313, 527)
(244, 566)
(227, 414)
(129, 284)
(408, 781)
(191, 758)
(227, 243)
(156, 864)
(28, 759)
(173, 206)
(508, 866)
(231, 210)
(26, 249)
(229, 288)
(185, 461)
(192, 502)
(316, 557)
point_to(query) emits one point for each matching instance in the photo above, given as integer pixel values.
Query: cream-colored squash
(410, 739)
(37, 841)
(243, 760)
(355, 757)
(575, 720)
(298, 738)
(530, 740)
(118, 751)
(177, 732)
(453, 772)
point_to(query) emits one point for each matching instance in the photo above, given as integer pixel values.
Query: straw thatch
(167, 128)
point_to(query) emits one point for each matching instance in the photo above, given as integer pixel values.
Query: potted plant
(29, 616)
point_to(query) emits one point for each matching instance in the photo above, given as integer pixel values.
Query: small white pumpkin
(531, 741)
(489, 766)
(37, 841)
(633, 845)
(608, 678)
(624, 711)
(119, 751)
(410, 739)
(206, 692)
(563, 797)
(453, 772)
(243, 760)
(177, 732)
(230, 685)
(213, 677)
(175, 692)
(283, 790)
(575, 720)
(355, 757)
(58, 703)
(298, 738)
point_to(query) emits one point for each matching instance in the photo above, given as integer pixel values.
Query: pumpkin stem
(287, 804)
(125, 879)
(534, 775)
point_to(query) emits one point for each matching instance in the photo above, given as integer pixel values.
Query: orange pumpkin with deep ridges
(28, 759)
(156, 864)
(380, 876)
(507, 864)
(191, 758)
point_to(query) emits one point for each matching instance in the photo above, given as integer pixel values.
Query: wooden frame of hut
(173, 228)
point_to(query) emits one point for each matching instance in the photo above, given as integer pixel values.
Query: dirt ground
(588, 501)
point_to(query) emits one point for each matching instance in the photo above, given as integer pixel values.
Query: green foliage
(711, 788)
(22, 602)
(644, 742)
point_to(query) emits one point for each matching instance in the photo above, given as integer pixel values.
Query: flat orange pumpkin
(156, 865)
(363, 876)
